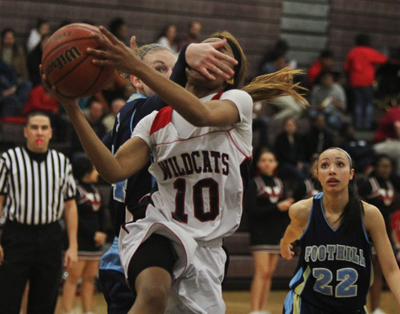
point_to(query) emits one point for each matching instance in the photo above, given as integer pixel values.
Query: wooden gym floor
(238, 302)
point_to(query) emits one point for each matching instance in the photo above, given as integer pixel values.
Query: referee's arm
(2, 197)
(71, 219)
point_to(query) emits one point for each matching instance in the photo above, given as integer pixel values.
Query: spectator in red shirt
(386, 139)
(324, 62)
(360, 66)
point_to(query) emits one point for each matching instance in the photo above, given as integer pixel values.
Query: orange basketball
(69, 67)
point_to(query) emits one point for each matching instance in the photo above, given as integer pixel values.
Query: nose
(332, 169)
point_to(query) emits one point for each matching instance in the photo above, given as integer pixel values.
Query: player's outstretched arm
(375, 226)
(124, 59)
(299, 215)
(132, 156)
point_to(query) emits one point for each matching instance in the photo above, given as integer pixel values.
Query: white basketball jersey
(199, 170)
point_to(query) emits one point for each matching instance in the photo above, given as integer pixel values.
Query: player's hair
(264, 87)
(144, 51)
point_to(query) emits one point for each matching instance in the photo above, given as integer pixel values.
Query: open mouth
(332, 181)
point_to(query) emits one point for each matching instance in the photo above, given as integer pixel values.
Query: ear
(136, 82)
(351, 174)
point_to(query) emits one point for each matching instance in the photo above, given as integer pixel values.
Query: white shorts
(198, 272)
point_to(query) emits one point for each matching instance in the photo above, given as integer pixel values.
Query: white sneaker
(378, 311)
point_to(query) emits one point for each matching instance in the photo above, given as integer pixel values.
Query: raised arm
(299, 214)
(116, 54)
(375, 226)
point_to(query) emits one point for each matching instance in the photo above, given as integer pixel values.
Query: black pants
(34, 254)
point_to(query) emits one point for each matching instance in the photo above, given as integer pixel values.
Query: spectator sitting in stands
(94, 115)
(324, 62)
(360, 150)
(116, 88)
(318, 138)
(388, 79)
(35, 59)
(192, 35)
(168, 38)
(109, 119)
(13, 96)
(328, 98)
(310, 186)
(13, 54)
(289, 152)
(35, 36)
(386, 139)
(119, 29)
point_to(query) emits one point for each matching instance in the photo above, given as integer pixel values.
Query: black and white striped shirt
(35, 189)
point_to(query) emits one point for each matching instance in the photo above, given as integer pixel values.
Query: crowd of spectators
(339, 99)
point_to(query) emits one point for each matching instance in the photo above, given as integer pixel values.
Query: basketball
(69, 67)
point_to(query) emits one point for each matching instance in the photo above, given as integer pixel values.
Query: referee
(36, 189)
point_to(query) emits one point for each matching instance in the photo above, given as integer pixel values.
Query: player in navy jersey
(201, 145)
(335, 229)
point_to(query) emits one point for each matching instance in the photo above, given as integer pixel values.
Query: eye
(341, 164)
(160, 69)
(324, 165)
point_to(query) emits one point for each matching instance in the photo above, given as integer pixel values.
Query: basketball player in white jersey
(173, 257)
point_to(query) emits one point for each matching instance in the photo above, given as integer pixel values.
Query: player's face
(267, 163)
(162, 61)
(38, 133)
(334, 172)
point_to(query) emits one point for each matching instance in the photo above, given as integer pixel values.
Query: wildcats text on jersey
(195, 162)
(335, 252)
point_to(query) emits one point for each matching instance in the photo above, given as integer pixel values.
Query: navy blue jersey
(129, 192)
(334, 271)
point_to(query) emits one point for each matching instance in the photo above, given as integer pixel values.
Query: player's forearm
(290, 236)
(97, 152)
(393, 280)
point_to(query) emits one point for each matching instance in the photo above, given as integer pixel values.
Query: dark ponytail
(354, 210)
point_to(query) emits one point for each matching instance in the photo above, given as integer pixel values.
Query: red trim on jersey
(162, 118)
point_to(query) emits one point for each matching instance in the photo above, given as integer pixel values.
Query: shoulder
(237, 94)
(241, 99)
(301, 210)
(372, 216)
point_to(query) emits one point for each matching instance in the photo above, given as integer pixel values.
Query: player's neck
(201, 92)
(335, 203)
